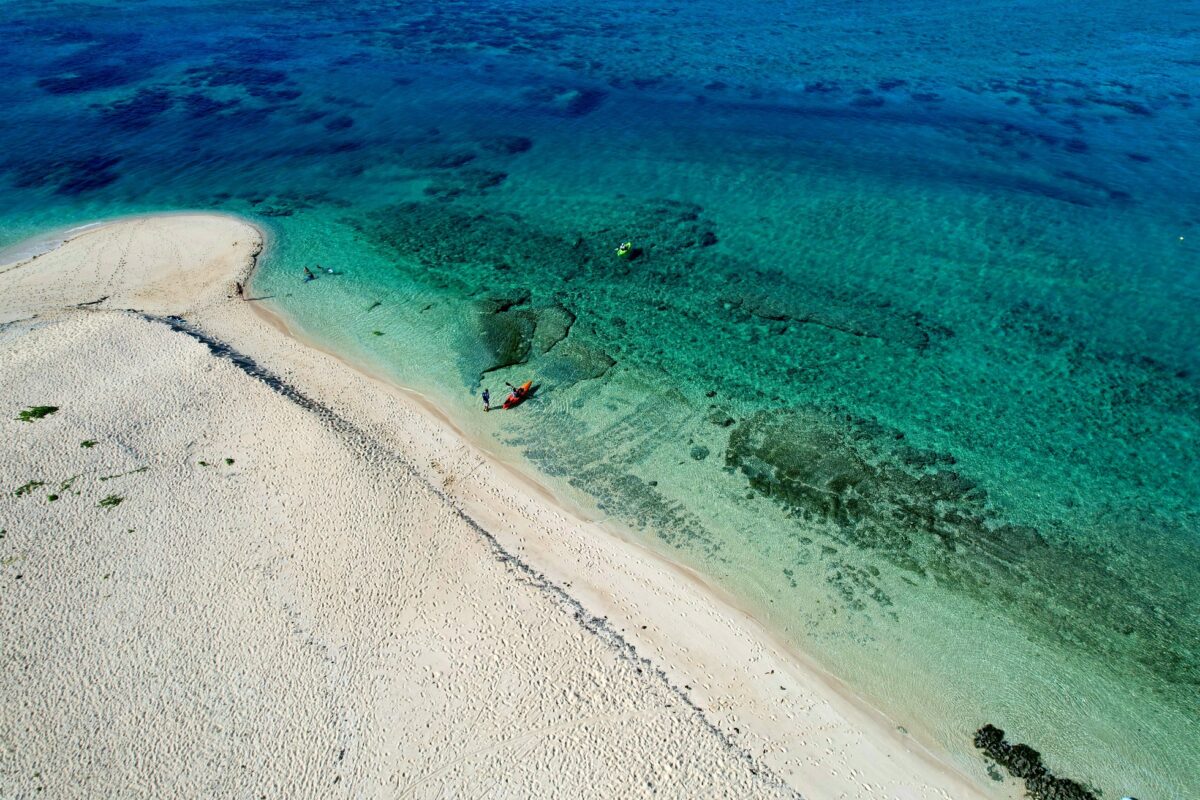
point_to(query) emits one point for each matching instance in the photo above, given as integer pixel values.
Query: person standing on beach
(487, 400)
(241, 291)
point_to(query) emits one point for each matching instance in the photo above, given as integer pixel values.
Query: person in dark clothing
(487, 400)
(241, 291)
(308, 274)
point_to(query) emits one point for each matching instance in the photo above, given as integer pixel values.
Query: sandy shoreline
(623, 675)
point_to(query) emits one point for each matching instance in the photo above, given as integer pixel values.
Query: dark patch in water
(69, 176)
(102, 77)
(822, 87)
(1132, 107)
(507, 145)
(857, 315)
(441, 160)
(868, 101)
(601, 464)
(1023, 762)
(1002, 181)
(250, 50)
(138, 112)
(571, 102)
(585, 101)
(323, 148)
(506, 328)
(275, 95)
(199, 105)
(1093, 183)
(68, 34)
(311, 116)
(466, 182)
(339, 123)
(914, 508)
(227, 74)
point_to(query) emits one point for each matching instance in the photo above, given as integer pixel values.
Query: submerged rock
(1022, 761)
(574, 361)
(554, 324)
(506, 330)
(859, 315)
(864, 486)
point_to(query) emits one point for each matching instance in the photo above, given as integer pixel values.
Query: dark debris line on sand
(372, 449)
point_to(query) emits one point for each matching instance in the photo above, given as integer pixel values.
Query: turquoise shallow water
(908, 362)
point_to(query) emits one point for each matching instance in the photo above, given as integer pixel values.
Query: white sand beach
(234, 566)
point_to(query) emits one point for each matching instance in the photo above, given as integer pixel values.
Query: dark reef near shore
(1023, 762)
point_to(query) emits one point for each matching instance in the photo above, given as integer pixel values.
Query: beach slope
(233, 566)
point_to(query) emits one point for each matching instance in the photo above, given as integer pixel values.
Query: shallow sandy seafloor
(232, 566)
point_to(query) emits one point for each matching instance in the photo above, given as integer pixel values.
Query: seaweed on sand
(34, 413)
(28, 488)
(123, 474)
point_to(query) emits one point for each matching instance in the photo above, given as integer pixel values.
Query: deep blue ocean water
(909, 360)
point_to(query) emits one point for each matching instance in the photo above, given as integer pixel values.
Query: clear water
(909, 362)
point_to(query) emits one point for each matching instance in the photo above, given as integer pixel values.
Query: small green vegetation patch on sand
(51, 497)
(112, 501)
(123, 474)
(34, 413)
(28, 488)
(88, 443)
(228, 461)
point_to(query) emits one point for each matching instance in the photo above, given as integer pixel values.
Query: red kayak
(518, 395)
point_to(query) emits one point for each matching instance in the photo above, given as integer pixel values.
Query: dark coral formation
(139, 111)
(862, 484)
(440, 159)
(858, 315)
(1023, 762)
(506, 327)
(69, 176)
(464, 182)
(602, 464)
(108, 61)
(512, 332)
